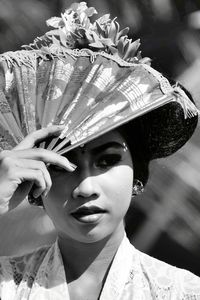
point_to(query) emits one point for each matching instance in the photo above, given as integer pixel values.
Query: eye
(108, 160)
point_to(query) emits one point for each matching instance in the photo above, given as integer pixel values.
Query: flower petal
(104, 19)
(54, 22)
(90, 11)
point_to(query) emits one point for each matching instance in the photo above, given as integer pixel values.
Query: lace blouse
(133, 275)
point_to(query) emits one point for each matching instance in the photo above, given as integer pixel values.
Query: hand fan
(87, 76)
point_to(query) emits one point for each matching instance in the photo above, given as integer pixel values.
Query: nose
(86, 189)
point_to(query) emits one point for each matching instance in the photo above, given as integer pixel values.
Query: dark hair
(157, 134)
(135, 139)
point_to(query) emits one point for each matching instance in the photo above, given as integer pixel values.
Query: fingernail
(72, 166)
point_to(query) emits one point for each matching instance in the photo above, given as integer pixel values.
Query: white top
(133, 275)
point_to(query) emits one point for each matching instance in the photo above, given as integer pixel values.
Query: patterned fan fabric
(90, 94)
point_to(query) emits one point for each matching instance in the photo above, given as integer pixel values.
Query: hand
(24, 168)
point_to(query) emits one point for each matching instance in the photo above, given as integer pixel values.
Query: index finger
(49, 157)
(38, 136)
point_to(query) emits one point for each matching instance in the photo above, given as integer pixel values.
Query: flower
(74, 30)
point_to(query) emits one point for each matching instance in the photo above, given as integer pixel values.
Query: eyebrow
(105, 146)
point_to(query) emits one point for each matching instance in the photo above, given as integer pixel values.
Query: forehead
(107, 138)
(111, 139)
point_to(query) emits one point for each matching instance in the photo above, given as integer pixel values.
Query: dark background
(165, 220)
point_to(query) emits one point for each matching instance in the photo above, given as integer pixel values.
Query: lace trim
(21, 57)
(28, 57)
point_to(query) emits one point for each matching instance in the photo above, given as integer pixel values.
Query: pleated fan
(90, 91)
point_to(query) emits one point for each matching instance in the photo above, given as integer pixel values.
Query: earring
(35, 201)
(138, 188)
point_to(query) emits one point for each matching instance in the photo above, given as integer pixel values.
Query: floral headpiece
(74, 30)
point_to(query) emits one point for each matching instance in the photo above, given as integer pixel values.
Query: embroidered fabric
(133, 275)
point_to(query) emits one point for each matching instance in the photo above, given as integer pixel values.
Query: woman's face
(90, 203)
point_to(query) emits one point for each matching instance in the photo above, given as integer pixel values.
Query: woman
(86, 192)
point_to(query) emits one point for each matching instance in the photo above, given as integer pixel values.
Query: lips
(89, 214)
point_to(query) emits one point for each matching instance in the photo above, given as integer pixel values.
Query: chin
(88, 235)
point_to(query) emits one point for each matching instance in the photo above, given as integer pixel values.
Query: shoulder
(164, 278)
(14, 267)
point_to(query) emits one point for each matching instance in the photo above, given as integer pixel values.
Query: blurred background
(165, 220)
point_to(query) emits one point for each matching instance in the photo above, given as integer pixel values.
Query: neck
(94, 258)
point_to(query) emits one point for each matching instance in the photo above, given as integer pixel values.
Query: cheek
(119, 185)
(116, 185)
(58, 195)
(60, 185)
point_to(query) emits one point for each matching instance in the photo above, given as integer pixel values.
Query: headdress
(92, 78)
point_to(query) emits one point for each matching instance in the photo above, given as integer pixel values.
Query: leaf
(99, 29)
(113, 50)
(139, 55)
(120, 45)
(117, 31)
(63, 37)
(53, 32)
(89, 37)
(107, 42)
(55, 41)
(126, 45)
(132, 49)
(112, 32)
(127, 51)
(95, 36)
(123, 32)
(80, 32)
(45, 50)
(75, 35)
(97, 44)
